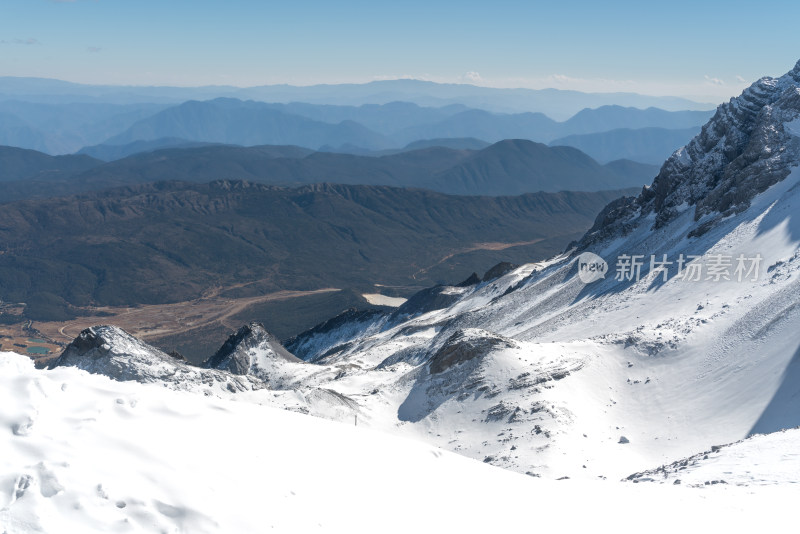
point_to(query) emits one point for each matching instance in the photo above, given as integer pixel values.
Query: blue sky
(705, 50)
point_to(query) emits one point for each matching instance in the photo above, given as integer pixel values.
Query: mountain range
(541, 370)
(63, 128)
(60, 128)
(20, 164)
(661, 349)
(380, 127)
(171, 241)
(560, 104)
(506, 168)
(643, 145)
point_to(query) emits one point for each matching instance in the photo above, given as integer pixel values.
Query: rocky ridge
(746, 147)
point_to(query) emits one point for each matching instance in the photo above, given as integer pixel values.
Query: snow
(82, 453)
(535, 372)
(760, 460)
(377, 299)
(674, 367)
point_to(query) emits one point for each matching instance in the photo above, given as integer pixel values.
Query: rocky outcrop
(471, 280)
(248, 347)
(466, 345)
(112, 352)
(745, 148)
(317, 342)
(433, 298)
(499, 270)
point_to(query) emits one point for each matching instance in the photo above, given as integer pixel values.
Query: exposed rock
(744, 149)
(110, 351)
(499, 270)
(243, 350)
(327, 337)
(178, 356)
(466, 345)
(503, 411)
(470, 281)
(433, 298)
(615, 218)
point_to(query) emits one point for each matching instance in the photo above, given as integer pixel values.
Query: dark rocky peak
(499, 270)
(430, 299)
(472, 280)
(744, 149)
(243, 348)
(112, 352)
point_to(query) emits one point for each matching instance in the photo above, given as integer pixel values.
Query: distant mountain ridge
(64, 128)
(231, 121)
(108, 152)
(514, 166)
(539, 127)
(645, 145)
(506, 168)
(390, 126)
(49, 124)
(560, 104)
(24, 164)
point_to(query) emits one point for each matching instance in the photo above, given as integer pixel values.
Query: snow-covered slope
(250, 366)
(81, 453)
(692, 339)
(760, 460)
(555, 377)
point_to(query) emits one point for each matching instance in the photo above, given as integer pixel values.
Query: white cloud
(740, 79)
(563, 81)
(715, 81)
(385, 77)
(473, 76)
(93, 49)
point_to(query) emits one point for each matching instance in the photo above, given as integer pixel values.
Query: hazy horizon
(678, 50)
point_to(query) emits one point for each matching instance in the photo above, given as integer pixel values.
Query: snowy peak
(250, 359)
(746, 147)
(112, 352)
(250, 350)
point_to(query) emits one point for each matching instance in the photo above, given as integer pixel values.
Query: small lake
(38, 350)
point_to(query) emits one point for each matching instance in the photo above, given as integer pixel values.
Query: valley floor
(150, 322)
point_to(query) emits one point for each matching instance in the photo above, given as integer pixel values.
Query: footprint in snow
(24, 428)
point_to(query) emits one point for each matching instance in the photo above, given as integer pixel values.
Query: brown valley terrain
(181, 264)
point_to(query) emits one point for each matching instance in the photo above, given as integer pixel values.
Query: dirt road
(150, 321)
